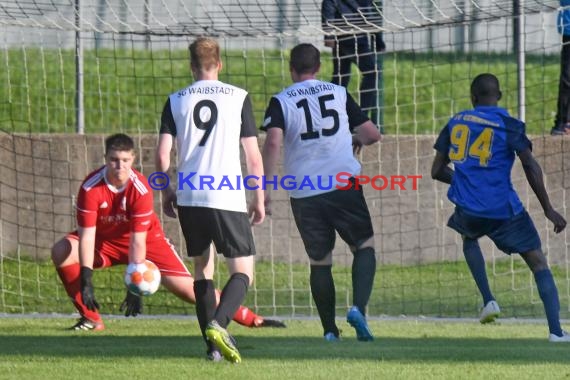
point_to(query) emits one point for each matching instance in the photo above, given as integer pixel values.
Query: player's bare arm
(534, 176)
(271, 154)
(86, 246)
(440, 169)
(162, 164)
(137, 248)
(365, 134)
(254, 164)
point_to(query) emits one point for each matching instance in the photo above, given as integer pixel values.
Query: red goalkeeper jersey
(117, 212)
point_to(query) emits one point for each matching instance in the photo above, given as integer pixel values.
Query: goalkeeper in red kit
(117, 225)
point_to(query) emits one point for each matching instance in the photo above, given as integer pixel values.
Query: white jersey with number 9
(208, 125)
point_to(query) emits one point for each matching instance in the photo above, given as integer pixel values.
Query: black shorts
(229, 230)
(319, 216)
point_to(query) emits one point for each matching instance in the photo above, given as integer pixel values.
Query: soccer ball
(142, 279)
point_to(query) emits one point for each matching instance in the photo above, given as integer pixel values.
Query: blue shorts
(515, 235)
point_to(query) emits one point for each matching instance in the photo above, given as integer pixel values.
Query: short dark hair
(305, 59)
(119, 142)
(485, 86)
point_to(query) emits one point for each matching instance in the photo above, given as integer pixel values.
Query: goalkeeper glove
(132, 305)
(87, 293)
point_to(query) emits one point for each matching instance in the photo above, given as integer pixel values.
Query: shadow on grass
(418, 349)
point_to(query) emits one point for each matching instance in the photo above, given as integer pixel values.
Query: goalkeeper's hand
(87, 293)
(132, 305)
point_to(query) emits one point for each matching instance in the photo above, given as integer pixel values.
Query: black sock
(323, 291)
(363, 272)
(205, 293)
(232, 296)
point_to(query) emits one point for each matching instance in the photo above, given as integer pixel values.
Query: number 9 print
(205, 116)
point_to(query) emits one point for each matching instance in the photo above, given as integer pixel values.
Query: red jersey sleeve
(87, 207)
(142, 207)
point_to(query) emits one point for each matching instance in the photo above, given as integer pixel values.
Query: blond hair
(204, 53)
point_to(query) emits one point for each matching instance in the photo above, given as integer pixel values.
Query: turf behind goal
(104, 66)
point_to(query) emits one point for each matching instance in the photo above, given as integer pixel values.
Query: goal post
(135, 53)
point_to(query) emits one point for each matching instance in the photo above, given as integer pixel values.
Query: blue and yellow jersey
(481, 143)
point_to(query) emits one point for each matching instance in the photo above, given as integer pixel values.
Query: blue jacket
(564, 18)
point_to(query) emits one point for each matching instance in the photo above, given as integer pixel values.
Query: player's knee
(60, 251)
(365, 251)
(468, 242)
(536, 260)
(320, 257)
(368, 243)
(539, 267)
(244, 278)
(55, 253)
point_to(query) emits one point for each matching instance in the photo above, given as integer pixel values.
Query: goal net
(103, 66)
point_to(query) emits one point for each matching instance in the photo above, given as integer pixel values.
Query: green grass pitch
(172, 348)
